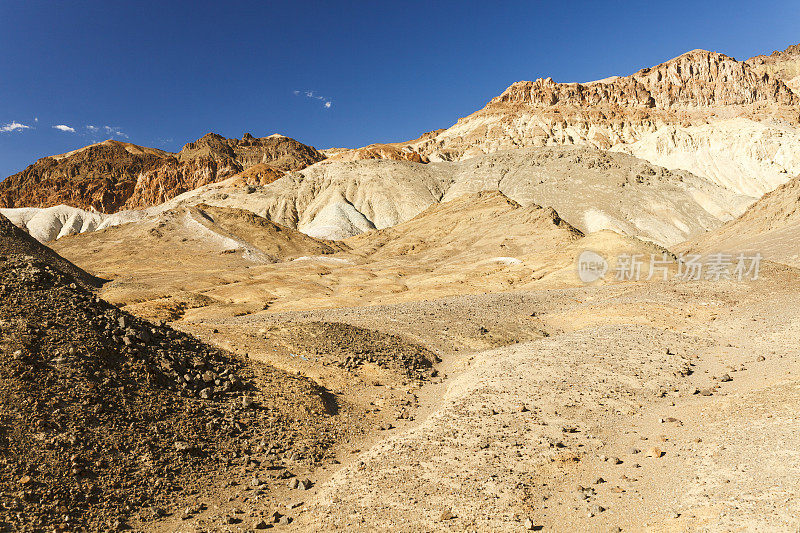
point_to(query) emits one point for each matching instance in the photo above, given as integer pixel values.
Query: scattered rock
(655, 452)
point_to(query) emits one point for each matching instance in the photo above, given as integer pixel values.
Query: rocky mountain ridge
(112, 175)
(691, 90)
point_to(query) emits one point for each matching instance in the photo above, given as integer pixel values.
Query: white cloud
(92, 129)
(326, 102)
(64, 127)
(13, 126)
(113, 130)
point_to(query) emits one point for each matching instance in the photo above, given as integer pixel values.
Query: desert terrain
(254, 334)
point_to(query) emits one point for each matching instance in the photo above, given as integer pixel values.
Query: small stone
(247, 402)
(529, 524)
(294, 483)
(655, 452)
(615, 461)
(725, 378)
(255, 482)
(206, 393)
(599, 481)
(25, 481)
(596, 510)
(261, 524)
(446, 515)
(760, 358)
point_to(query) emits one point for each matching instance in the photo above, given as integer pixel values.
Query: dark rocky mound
(15, 241)
(351, 347)
(106, 418)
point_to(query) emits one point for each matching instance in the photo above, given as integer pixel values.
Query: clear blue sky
(164, 73)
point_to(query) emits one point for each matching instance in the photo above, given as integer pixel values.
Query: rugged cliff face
(377, 151)
(112, 175)
(278, 151)
(784, 65)
(692, 90)
(101, 177)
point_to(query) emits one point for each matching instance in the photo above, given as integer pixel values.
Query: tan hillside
(770, 227)
(590, 189)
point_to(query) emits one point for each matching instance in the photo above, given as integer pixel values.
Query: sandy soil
(652, 406)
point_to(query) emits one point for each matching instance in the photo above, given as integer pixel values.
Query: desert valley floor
(254, 334)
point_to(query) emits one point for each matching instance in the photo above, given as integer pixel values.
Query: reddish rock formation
(378, 151)
(101, 176)
(112, 175)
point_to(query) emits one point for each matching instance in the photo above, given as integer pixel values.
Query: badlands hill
(592, 190)
(113, 175)
(201, 262)
(732, 122)
(770, 227)
(106, 418)
(376, 151)
(175, 257)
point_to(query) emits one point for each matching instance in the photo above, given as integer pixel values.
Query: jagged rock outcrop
(113, 175)
(213, 158)
(784, 65)
(377, 151)
(688, 91)
(98, 177)
(281, 152)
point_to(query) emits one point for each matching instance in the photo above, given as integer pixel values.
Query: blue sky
(164, 73)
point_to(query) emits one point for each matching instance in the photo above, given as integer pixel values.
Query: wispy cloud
(326, 102)
(114, 130)
(64, 127)
(92, 129)
(13, 126)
